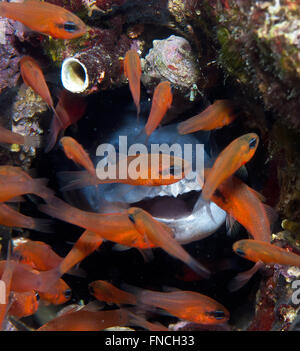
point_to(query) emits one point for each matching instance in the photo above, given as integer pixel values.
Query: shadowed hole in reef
(106, 111)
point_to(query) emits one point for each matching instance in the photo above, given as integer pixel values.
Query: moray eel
(171, 204)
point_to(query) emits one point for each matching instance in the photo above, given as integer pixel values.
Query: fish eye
(67, 293)
(70, 27)
(218, 314)
(130, 216)
(252, 143)
(240, 252)
(37, 296)
(91, 289)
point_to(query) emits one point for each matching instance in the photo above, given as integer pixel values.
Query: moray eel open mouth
(172, 204)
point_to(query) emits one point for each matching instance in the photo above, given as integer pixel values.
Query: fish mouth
(172, 204)
(175, 206)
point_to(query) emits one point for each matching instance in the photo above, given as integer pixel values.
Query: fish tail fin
(55, 127)
(76, 180)
(198, 267)
(242, 278)
(40, 188)
(187, 127)
(147, 255)
(48, 279)
(33, 141)
(43, 225)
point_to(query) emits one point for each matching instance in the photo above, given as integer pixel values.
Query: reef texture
(171, 59)
(259, 46)
(276, 308)
(9, 55)
(27, 109)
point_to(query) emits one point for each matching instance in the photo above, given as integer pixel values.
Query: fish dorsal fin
(233, 227)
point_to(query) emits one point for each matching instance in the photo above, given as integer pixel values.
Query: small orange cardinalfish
(33, 77)
(161, 102)
(24, 304)
(116, 227)
(9, 137)
(147, 226)
(217, 115)
(154, 170)
(235, 155)
(133, 71)
(244, 205)
(255, 250)
(44, 18)
(70, 108)
(187, 305)
(37, 255)
(104, 291)
(12, 218)
(74, 151)
(94, 321)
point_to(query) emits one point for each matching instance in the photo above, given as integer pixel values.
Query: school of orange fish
(34, 270)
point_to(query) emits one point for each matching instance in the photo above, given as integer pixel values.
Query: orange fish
(116, 227)
(187, 305)
(104, 291)
(255, 250)
(9, 137)
(37, 255)
(235, 155)
(153, 170)
(69, 109)
(11, 188)
(133, 71)
(24, 304)
(94, 321)
(12, 218)
(244, 205)
(161, 102)
(74, 151)
(33, 77)
(44, 18)
(153, 230)
(217, 115)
